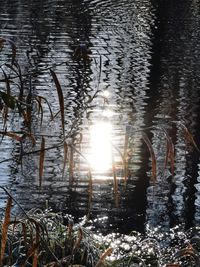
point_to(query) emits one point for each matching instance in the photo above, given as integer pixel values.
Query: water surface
(142, 76)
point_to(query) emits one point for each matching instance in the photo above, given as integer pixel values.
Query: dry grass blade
(70, 229)
(15, 67)
(4, 230)
(55, 115)
(153, 157)
(31, 137)
(41, 163)
(40, 109)
(26, 118)
(90, 191)
(189, 136)
(37, 228)
(103, 257)
(14, 50)
(39, 98)
(125, 159)
(36, 242)
(35, 259)
(23, 226)
(78, 240)
(12, 135)
(31, 252)
(170, 153)
(61, 99)
(189, 252)
(115, 184)
(7, 81)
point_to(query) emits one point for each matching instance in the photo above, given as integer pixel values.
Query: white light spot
(100, 158)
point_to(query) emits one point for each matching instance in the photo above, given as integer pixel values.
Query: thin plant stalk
(115, 183)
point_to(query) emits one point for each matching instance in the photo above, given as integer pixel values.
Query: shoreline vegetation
(48, 239)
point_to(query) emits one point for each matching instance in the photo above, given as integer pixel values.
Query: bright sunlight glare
(100, 158)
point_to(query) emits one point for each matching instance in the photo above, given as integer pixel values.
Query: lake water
(142, 79)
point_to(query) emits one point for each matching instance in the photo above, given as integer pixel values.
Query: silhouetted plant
(44, 238)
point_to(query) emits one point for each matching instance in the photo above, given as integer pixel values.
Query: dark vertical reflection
(175, 96)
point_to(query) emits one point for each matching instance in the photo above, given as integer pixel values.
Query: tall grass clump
(47, 239)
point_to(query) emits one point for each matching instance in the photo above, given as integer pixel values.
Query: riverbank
(44, 238)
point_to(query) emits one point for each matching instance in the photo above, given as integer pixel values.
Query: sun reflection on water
(100, 157)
